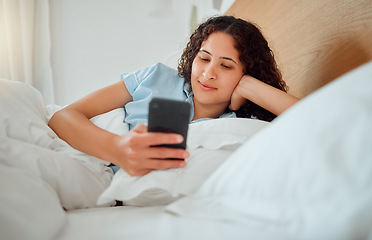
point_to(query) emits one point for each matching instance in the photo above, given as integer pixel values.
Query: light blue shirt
(157, 80)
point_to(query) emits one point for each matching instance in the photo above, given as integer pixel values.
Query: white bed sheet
(155, 223)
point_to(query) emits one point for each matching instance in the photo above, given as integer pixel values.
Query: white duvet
(39, 172)
(308, 175)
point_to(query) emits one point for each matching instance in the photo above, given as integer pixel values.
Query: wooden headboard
(313, 41)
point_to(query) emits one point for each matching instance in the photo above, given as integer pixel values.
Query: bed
(306, 175)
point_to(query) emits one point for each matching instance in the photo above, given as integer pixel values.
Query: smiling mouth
(206, 87)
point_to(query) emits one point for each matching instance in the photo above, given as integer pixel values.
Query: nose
(209, 72)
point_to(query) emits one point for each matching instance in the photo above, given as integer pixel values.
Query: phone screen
(169, 116)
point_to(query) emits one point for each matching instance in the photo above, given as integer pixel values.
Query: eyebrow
(227, 58)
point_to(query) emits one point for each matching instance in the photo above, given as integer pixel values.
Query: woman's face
(216, 71)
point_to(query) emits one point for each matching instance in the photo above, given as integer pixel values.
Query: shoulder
(158, 73)
(161, 75)
(161, 69)
(159, 79)
(154, 71)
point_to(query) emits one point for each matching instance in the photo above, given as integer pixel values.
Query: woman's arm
(264, 95)
(131, 151)
(72, 123)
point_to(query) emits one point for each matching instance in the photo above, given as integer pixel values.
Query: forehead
(221, 44)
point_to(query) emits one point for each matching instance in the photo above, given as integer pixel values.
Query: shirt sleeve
(134, 79)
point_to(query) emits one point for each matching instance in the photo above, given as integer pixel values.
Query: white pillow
(308, 174)
(209, 143)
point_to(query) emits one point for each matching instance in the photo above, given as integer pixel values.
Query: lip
(206, 87)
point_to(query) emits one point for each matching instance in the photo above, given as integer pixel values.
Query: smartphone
(169, 116)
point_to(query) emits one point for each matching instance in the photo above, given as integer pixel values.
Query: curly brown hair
(255, 54)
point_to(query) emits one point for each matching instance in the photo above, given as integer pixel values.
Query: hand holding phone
(169, 116)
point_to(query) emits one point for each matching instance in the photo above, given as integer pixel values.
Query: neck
(202, 111)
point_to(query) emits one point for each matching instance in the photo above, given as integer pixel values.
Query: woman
(226, 70)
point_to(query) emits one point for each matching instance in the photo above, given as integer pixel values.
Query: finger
(236, 103)
(233, 105)
(158, 164)
(164, 152)
(151, 139)
(138, 172)
(140, 128)
(233, 101)
(140, 165)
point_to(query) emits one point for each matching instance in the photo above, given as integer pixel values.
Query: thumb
(234, 105)
(236, 102)
(141, 128)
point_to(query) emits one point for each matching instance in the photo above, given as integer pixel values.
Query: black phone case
(170, 116)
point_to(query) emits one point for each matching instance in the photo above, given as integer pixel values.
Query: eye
(204, 59)
(225, 66)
